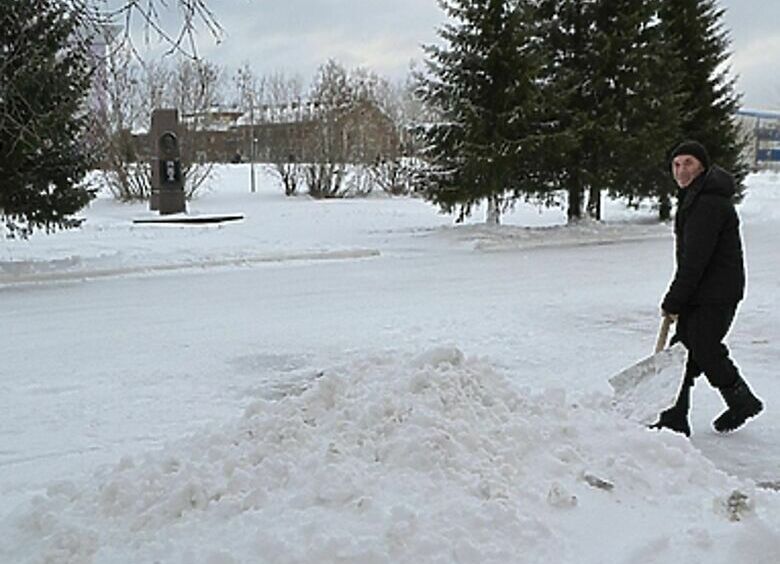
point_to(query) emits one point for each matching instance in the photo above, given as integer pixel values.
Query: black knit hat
(695, 149)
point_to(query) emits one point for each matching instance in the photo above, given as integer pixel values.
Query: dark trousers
(701, 329)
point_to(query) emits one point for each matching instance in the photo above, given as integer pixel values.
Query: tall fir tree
(648, 110)
(695, 31)
(483, 85)
(45, 78)
(606, 92)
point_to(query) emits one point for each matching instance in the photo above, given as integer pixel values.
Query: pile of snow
(436, 458)
(585, 232)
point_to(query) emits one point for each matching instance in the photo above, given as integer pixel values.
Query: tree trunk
(576, 192)
(594, 203)
(493, 216)
(664, 207)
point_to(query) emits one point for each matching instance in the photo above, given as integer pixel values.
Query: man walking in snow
(708, 284)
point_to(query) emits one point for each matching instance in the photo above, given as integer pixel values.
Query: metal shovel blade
(648, 387)
(645, 389)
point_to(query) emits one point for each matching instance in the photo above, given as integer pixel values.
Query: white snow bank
(429, 459)
(586, 232)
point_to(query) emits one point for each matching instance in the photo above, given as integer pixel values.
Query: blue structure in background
(763, 130)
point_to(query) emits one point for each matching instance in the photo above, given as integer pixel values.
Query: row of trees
(523, 99)
(582, 96)
(305, 154)
(325, 164)
(128, 91)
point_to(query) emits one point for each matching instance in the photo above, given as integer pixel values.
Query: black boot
(676, 417)
(742, 405)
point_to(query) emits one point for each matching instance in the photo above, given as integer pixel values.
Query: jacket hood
(718, 182)
(714, 181)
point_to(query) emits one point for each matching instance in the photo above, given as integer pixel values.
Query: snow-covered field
(361, 381)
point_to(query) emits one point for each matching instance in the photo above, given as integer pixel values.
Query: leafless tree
(197, 88)
(393, 176)
(397, 100)
(131, 91)
(333, 173)
(282, 107)
(149, 18)
(120, 108)
(249, 89)
(335, 90)
(282, 88)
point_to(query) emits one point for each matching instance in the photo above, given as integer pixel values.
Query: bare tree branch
(149, 15)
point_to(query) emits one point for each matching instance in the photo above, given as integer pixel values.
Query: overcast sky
(385, 35)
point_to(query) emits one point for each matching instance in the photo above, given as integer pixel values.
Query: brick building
(360, 133)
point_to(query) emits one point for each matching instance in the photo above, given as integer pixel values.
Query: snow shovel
(648, 387)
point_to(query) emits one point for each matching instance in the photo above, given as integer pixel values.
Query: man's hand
(672, 316)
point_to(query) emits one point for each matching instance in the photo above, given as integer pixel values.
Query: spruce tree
(694, 29)
(607, 98)
(648, 109)
(45, 78)
(483, 86)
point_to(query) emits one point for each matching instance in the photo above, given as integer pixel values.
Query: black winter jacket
(710, 266)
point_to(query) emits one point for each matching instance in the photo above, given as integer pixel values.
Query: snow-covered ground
(361, 381)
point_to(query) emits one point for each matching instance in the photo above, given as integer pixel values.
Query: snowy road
(99, 369)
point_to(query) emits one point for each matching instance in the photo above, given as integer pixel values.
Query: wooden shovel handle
(663, 334)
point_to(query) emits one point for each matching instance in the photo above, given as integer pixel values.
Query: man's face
(685, 169)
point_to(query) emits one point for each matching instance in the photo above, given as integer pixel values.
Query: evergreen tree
(694, 29)
(607, 98)
(44, 79)
(648, 109)
(483, 84)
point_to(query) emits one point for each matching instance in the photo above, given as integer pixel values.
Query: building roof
(764, 114)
